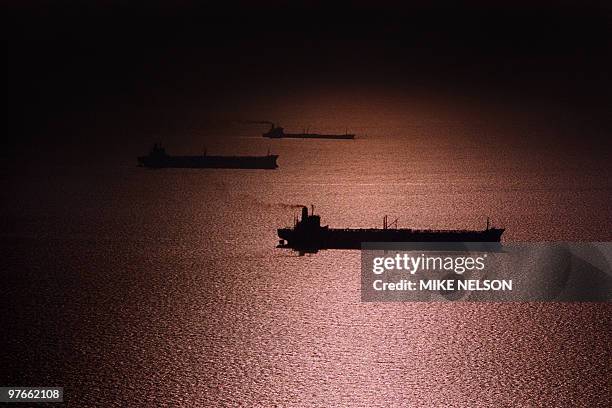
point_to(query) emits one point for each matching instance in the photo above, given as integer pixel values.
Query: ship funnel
(304, 213)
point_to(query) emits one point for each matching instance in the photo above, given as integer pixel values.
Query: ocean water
(135, 287)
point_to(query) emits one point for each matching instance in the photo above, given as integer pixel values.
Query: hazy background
(103, 78)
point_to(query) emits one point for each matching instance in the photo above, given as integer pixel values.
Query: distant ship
(277, 132)
(158, 158)
(308, 235)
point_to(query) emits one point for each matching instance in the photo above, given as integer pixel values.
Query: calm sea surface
(133, 287)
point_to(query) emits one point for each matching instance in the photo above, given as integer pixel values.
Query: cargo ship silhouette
(158, 158)
(307, 235)
(277, 132)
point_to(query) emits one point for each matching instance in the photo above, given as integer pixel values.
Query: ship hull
(309, 136)
(210, 162)
(353, 238)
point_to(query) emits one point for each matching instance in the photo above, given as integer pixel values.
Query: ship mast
(386, 222)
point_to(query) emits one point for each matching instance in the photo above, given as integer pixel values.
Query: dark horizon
(75, 67)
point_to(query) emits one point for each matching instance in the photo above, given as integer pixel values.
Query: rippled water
(131, 287)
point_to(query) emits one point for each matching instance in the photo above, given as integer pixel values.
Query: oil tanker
(277, 132)
(158, 158)
(307, 235)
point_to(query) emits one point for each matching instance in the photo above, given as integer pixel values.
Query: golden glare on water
(175, 282)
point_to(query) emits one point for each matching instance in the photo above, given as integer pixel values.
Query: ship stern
(285, 235)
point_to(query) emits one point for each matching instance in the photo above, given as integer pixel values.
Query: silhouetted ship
(158, 158)
(277, 132)
(307, 234)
